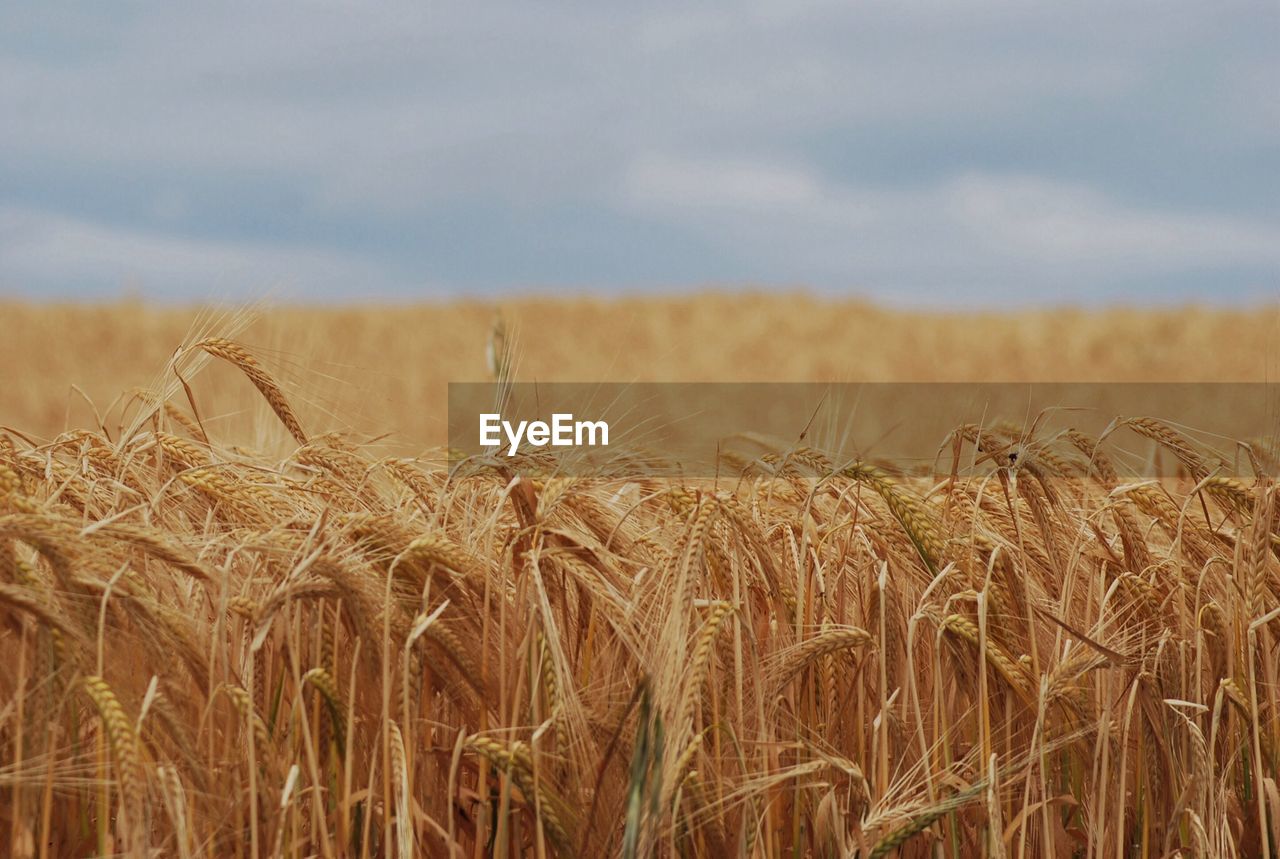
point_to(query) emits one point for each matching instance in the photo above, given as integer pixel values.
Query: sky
(977, 153)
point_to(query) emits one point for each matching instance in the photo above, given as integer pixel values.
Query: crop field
(247, 610)
(382, 371)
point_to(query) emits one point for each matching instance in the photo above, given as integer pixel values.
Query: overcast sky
(923, 153)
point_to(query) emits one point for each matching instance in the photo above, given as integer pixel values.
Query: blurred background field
(382, 370)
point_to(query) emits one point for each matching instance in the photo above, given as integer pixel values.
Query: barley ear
(234, 353)
(126, 755)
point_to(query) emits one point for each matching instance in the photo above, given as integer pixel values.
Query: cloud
(880, 146)
(734, 185)
(41, 253)
(978, 235)
(1060, 223)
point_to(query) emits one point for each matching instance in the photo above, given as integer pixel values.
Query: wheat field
(247, 611)
(382, 371)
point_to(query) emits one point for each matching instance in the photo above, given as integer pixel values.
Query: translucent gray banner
(716, 430)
